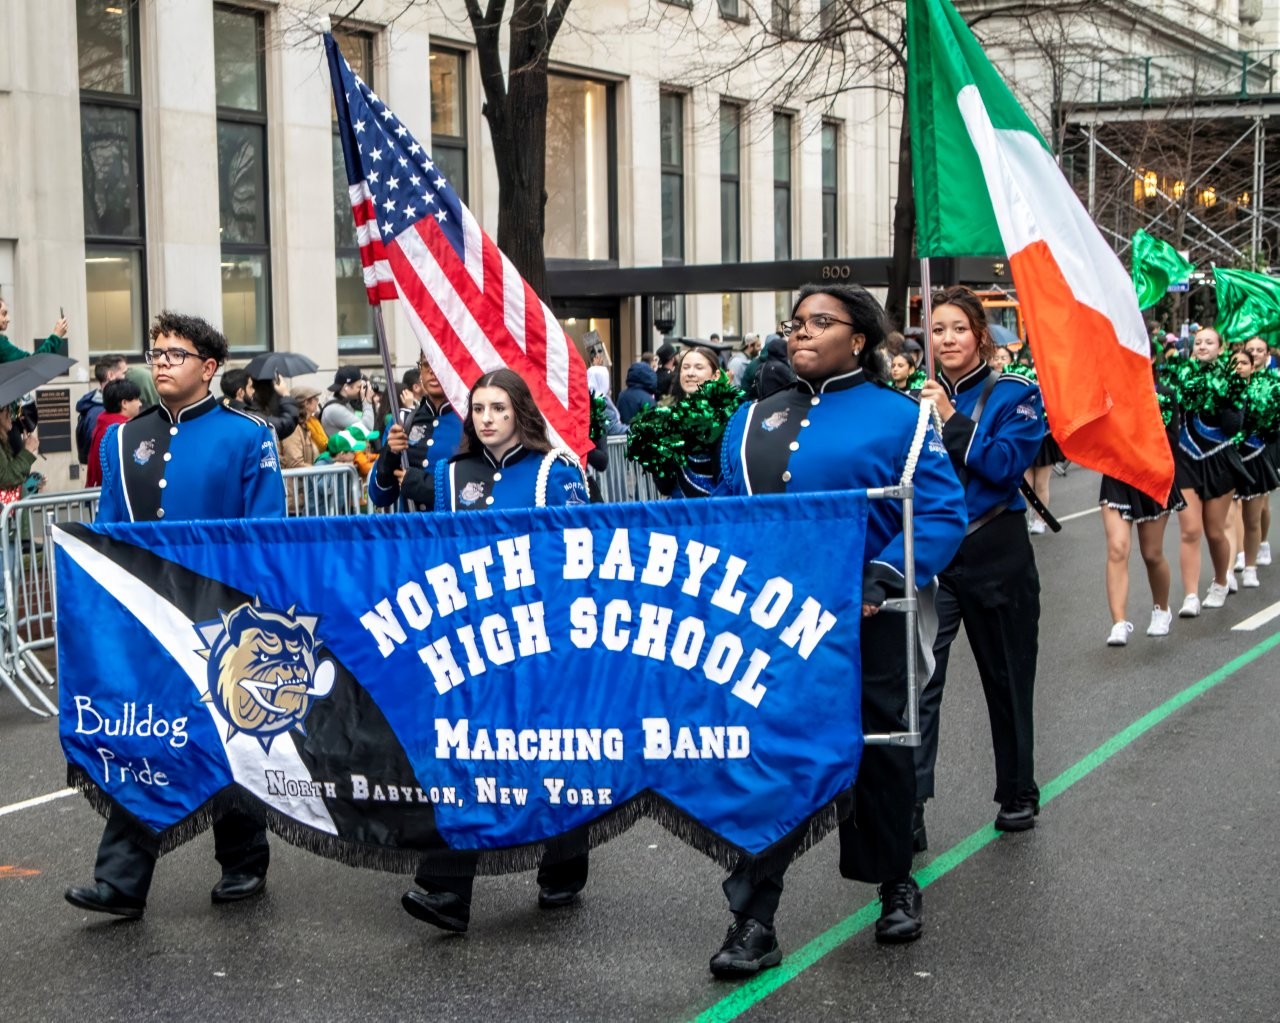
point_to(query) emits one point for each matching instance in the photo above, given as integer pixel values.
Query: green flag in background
(1248, 304)
(1156, 265)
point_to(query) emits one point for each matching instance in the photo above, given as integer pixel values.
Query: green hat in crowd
(353, 438)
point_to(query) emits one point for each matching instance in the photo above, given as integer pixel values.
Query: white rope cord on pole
(928, 413)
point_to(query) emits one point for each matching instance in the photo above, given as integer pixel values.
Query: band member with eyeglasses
(159, 467)
(842, 427)
(434, 433)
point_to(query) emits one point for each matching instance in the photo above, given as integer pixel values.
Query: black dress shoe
(748, 948)
(557, 898)
(102, 898)
(901, 912)
(919, 837)
(1019, 814)
(440, 909)
(234, 887)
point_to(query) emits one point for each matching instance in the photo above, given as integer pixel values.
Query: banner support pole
(926, 314)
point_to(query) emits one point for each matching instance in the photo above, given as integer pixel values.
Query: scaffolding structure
(1181, 148)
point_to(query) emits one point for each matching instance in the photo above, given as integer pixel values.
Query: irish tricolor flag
(987, 184)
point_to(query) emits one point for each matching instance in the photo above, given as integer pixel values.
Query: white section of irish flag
(1033, 202)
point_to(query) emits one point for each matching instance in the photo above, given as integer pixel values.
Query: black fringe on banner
(488, 861)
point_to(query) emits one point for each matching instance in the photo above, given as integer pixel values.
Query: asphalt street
(1147, 891)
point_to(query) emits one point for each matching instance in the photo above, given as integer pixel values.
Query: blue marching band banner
(395, 689)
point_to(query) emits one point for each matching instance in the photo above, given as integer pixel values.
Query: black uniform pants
(564, 868)
(992, 586)
(127, 857)
(875, 841)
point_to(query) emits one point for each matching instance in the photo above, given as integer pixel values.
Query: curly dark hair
(208, 341)
(971, 305)
(867, 317)
(531, 428)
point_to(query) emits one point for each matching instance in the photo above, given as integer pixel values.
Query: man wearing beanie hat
(666, 367)
(348, 387)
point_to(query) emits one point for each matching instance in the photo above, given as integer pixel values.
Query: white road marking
(26, 804)
(1261, 618)
(1081, 514)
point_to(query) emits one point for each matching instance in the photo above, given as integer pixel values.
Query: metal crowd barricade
(624, 480)
(25, 528)
(322, 490)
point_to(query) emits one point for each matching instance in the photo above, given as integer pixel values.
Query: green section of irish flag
(953, 209)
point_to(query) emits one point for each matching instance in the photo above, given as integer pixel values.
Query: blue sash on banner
(399, 688)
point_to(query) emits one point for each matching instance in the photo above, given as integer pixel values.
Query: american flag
(469, 308)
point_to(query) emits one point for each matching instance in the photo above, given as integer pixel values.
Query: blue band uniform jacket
(849, 433)
(993, 454)
(478, 481)
(156, 467)
(434, 436)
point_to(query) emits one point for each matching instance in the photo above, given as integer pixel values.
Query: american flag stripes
(469, 308)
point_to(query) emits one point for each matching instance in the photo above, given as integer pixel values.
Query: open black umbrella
(23, 375)
(285, 364)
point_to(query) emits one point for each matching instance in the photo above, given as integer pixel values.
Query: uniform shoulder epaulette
(1016, 377)
(567, 457)
(258, 420)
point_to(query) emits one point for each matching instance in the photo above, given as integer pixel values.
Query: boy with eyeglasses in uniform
(161, 467)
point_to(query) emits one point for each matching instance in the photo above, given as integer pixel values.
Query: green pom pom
(599, 420)
(1262, 406)
(1204, 388)
(1017, 369)
(916, 381)
(662, 437)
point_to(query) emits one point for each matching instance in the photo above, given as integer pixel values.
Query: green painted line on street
(757, 989)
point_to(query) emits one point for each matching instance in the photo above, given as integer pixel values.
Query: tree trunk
(517, 116)
(904, 230)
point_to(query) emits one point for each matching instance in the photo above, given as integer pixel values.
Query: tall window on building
(355, 315)
(830, 190)
(671, 144)
(240, 77)
(782, 186)
(581, 169)
(783, 18)
(730, 183)
(449, 117)
(111, 174)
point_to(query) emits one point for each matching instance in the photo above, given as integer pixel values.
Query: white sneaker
(1249, 577)
(1120, 634)
(1190, 607)
(1036, 526)
(1217, 595)
(1161, 619)
(1232, 585)
(1240, 561)
(1264, 554)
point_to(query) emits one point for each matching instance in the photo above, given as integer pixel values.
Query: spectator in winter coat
(775, 373)
(270, 400)
(348, 387)
(666, 369)
(121, 401)
(642, 383)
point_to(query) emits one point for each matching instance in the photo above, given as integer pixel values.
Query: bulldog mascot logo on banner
(263, 674)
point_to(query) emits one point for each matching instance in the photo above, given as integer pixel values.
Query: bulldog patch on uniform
(471, 493)
(143, 452)
(417, 433)
(776, 420)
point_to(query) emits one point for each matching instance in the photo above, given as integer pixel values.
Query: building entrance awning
(579, 282)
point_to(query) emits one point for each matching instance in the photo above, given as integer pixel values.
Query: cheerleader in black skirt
(1207, 470)
(1260, 476)
(1261, 355)
(1124, 507)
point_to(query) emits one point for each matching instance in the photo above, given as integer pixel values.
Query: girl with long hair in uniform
(1124, 507)
(1254, 487)
(1207, 470)
(504, 461)
(992, 428)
